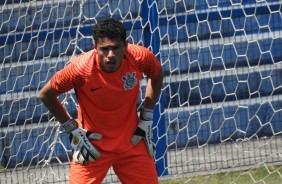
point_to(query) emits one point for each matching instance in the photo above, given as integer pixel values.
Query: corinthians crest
(129, 80)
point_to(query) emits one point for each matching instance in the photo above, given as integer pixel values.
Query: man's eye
(104, 49)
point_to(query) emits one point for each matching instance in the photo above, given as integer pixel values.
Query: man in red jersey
(108, 132)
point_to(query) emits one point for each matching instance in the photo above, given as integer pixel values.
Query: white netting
(220, 108)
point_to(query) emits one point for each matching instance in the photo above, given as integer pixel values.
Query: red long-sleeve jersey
(107, 101)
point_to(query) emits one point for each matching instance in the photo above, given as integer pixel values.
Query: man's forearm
(153, 91)
(50, 100)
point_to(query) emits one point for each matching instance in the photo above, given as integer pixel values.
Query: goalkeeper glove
(83, 150)
(144, 130)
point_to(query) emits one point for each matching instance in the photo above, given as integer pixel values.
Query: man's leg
(91, 173)
(135, 166)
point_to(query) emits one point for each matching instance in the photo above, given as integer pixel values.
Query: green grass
(261, 175)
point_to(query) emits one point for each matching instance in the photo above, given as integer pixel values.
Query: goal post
(152, 41)
(220, 109)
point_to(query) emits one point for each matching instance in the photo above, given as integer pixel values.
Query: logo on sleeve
(129, 80)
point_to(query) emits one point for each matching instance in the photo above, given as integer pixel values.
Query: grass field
(261, 175)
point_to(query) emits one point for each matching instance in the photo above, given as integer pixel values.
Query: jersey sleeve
(152, 65)
(146, 61)
(74, 74)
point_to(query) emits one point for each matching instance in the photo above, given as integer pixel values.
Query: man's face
(110, 53)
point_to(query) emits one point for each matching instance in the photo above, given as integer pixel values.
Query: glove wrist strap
(70, 125)
(146, 114)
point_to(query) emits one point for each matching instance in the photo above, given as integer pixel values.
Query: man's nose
(111, 53)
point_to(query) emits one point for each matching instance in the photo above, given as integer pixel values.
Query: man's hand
(144, 130)
(83, 150)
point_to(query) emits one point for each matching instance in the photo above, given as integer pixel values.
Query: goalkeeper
(108, 132)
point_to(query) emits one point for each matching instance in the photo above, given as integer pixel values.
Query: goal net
(220, 111)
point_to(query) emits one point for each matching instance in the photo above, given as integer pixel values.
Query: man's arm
(144, 129)
(49, 98)
(83, 150)
(153, 91)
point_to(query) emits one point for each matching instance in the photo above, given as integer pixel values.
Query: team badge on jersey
(129, 80)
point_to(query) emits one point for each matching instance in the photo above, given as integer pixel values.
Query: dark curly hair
(109, 28)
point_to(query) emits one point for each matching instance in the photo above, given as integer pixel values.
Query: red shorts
(133, 166)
